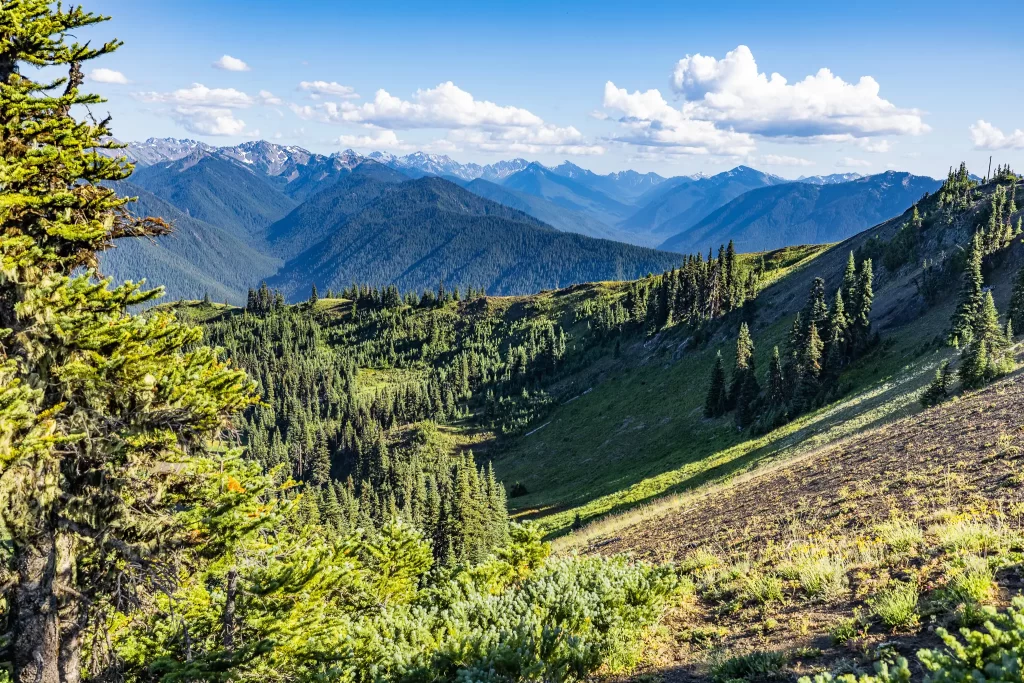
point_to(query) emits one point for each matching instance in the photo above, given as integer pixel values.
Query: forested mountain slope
(196, 259)
(420, 232)
(800, 213)
(218, 191)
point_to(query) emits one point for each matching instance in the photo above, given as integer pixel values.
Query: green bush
(992, 654)
(757, 665)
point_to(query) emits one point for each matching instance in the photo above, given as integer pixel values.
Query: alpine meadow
(301, 397)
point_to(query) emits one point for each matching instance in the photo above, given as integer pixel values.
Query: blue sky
(670, 87)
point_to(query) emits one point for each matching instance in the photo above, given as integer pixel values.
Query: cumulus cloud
(101, 75)
(207, 111)
(208, 121)
(731, 91)
(783, 160)
(648, 120)
(874, 146)
(446, 106)
(229, 63)
(381, 139)
(201, 96)
(986, 136)
(481, 124)
(330, 89)
(850, 162)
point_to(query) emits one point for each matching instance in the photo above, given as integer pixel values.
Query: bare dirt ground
(966, 455)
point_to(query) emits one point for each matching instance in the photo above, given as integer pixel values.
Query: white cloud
(478, 123)
(381, 139)
(207, 111)
(651, 121)
(730, 91)
(850, 162)
(783, 160)
(101, 75)
(229, 63)
(331, 89)
(874, 146)
(986, 136)
(446, 106)
(208, 120)
(201, 96)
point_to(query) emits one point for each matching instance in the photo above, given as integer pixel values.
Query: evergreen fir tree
(744, 358)
(938, 390)
(810, 374)
(860, 317)
(313, 297)
(111, 458)
(716, 403)
(970, 300)
(1016, 311)
(776, 382)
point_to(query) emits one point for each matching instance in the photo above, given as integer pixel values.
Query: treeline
(701, 290)
(823, 340)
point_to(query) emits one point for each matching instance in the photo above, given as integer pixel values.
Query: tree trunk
(229, 610)
(46, 646)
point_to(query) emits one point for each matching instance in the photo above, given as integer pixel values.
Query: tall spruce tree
(1015, 314)
(776, 380)
(970, 301)
(743, 365)
(860, 316)
(716, 403)
(110, 462)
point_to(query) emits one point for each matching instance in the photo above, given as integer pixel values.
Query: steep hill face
(687, 202)
(418, 232)
(311, 221)
(218, 191)
(800, 213)
(198, 258)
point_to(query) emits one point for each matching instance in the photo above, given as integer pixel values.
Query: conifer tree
(860, 316)
(108, 463)
(849, 288)
(744, 359)
(313, 296)
(969, 303)
(810, 373)
(938, 390)
(716, 403)
(1016, 312)
(776, 391)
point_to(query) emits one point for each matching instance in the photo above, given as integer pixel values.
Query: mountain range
(256, 210)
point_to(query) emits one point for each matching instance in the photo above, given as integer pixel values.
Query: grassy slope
(640, 434)
(790, 568)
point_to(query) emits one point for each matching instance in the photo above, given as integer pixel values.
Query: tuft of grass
(763, 589)
(971, 586)
(753, 665)
(896, 606)
(966, 535)
(699, 560)
(900, 535)
(821, 574)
